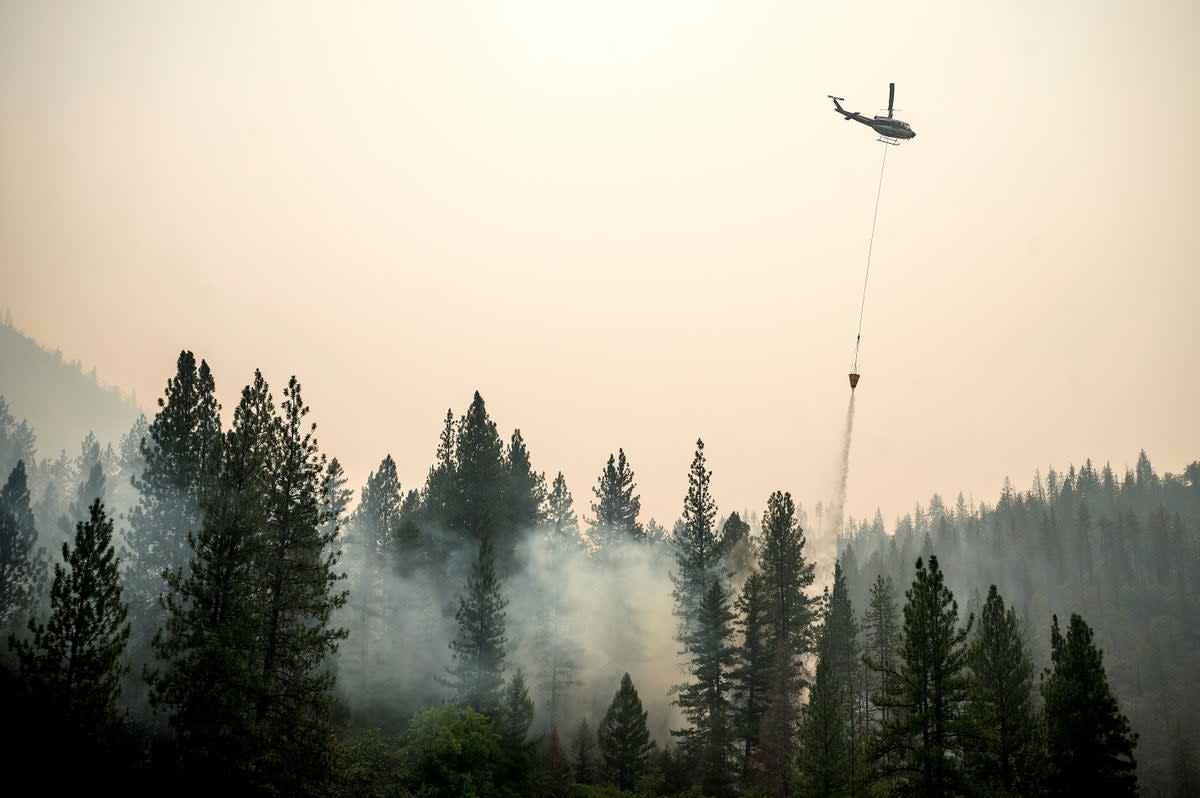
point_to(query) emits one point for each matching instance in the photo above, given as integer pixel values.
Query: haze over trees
(222, 610)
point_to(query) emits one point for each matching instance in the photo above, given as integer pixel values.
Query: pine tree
(1088, 740)
(557, 657)
(22, 561)
(480, 507)
(181, 451)
(828, 756)
(709, 739)
(526, 488)
(515, 714)
(555, 768)
(791, 614)
(772, 769)
(476, 675)
(130, 467)
(881, 635)
(513, 719)
(623, 737)
(615, 511)
(697, 547)
(371, 553)
(560, 515)
(440, 485)
(294, 586)
(335, 499)
(378, 513)
(205, 681)
(17, 440)
(925, 693)
(1001, 715)
(584, 765)
(736, 546)
(751, 676)
(73, 661)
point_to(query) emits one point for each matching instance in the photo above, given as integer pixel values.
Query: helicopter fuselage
(886, 126)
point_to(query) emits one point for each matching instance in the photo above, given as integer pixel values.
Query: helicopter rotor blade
(891, 98)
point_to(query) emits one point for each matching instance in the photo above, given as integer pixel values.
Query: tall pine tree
(526, 488)
(615, 511)
(623, 737)
(828, 760)
(1000, 713)
(881, 636)
(22, 561)
(476, 674)
(697, 547)
(205, 681)
(181, 452)
(921, 743)
(751, 676)
(294, 585)
(74, 661)
(708, 741)
(1088, 740)
(560, 514)
(791, 613)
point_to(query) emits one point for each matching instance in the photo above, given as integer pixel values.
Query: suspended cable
(870, 246)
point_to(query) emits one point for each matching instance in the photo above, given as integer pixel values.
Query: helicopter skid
(889, 140)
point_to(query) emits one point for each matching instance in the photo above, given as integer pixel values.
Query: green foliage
(560, 513)
(515, 715)
(476, 673)
(558, 658)
(772, 768)
(526, 488)
(17, 439)
(736, 546)
(1088, 739)
(881, 635)
(554, 771)
(294, 586)
(182, 454)
(615, 511)
(623, 737)
(709, 739)
(22, 561)
(584, 764)
(697, 547)
(73, 661)
(1004, 749)
(244, 675)
(452, 752)
(370, 765)
(827, 760)
(750, 678)
(479, 500)
(205, 682)
(787, 574)
(921, 742)
(378, 513)
(481, 490)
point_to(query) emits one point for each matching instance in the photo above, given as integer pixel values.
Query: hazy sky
(629, 224)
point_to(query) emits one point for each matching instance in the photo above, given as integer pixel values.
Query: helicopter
(888, 128)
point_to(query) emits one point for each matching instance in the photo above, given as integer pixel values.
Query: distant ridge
(57, 397)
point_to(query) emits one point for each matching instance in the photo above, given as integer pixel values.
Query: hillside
(58, 398)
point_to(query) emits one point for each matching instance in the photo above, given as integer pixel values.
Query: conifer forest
(207, 605)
